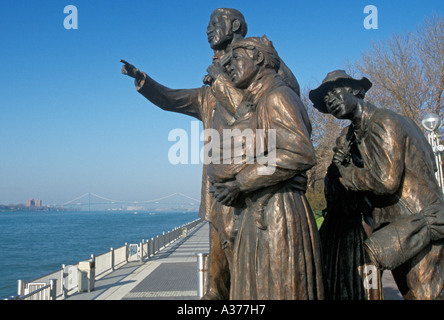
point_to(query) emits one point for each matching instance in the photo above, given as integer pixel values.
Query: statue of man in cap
(385, 162)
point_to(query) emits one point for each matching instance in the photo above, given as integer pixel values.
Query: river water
(35, 243)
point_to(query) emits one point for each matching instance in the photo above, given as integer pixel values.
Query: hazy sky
(71, 123)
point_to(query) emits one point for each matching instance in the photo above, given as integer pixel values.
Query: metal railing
(63, 282)
(36, 291)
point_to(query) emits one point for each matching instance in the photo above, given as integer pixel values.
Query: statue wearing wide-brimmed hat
(337, 78)
(384, 160)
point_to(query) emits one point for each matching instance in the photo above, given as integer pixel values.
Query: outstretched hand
(131, 70)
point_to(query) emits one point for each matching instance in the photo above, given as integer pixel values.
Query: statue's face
(243, 68)
(340, 102)
(219, 32)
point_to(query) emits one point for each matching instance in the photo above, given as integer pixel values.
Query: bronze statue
(211, 101)
(384, 164)
(277, 247)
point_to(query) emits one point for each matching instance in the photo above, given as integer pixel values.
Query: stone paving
(171, 274)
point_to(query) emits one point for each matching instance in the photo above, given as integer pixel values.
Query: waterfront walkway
(171, 274)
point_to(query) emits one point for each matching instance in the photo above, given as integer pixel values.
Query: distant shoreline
(20, 207)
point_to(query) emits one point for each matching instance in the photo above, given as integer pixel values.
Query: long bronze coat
(280, 259)
(346, 225)
(399, 174)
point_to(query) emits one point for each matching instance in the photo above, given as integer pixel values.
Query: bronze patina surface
(385, 206)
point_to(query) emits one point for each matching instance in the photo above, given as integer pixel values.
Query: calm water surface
(33, 244)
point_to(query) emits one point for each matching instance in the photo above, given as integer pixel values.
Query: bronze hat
(335, 78)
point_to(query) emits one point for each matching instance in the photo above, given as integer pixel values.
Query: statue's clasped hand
(226, 192)
(214, 70)
(340, 157)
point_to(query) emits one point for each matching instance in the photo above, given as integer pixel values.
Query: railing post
(21, 287)
(201, 273)
(93, 264)
(62, 285)
(141, 251)
(112, 259)
(52, 289)
(163, 239)
(126, 252)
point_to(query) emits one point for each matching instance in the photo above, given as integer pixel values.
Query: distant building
(34, 203)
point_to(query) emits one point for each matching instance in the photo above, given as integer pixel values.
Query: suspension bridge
(175, 200)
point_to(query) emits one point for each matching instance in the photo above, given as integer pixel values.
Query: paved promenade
(171, 274)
